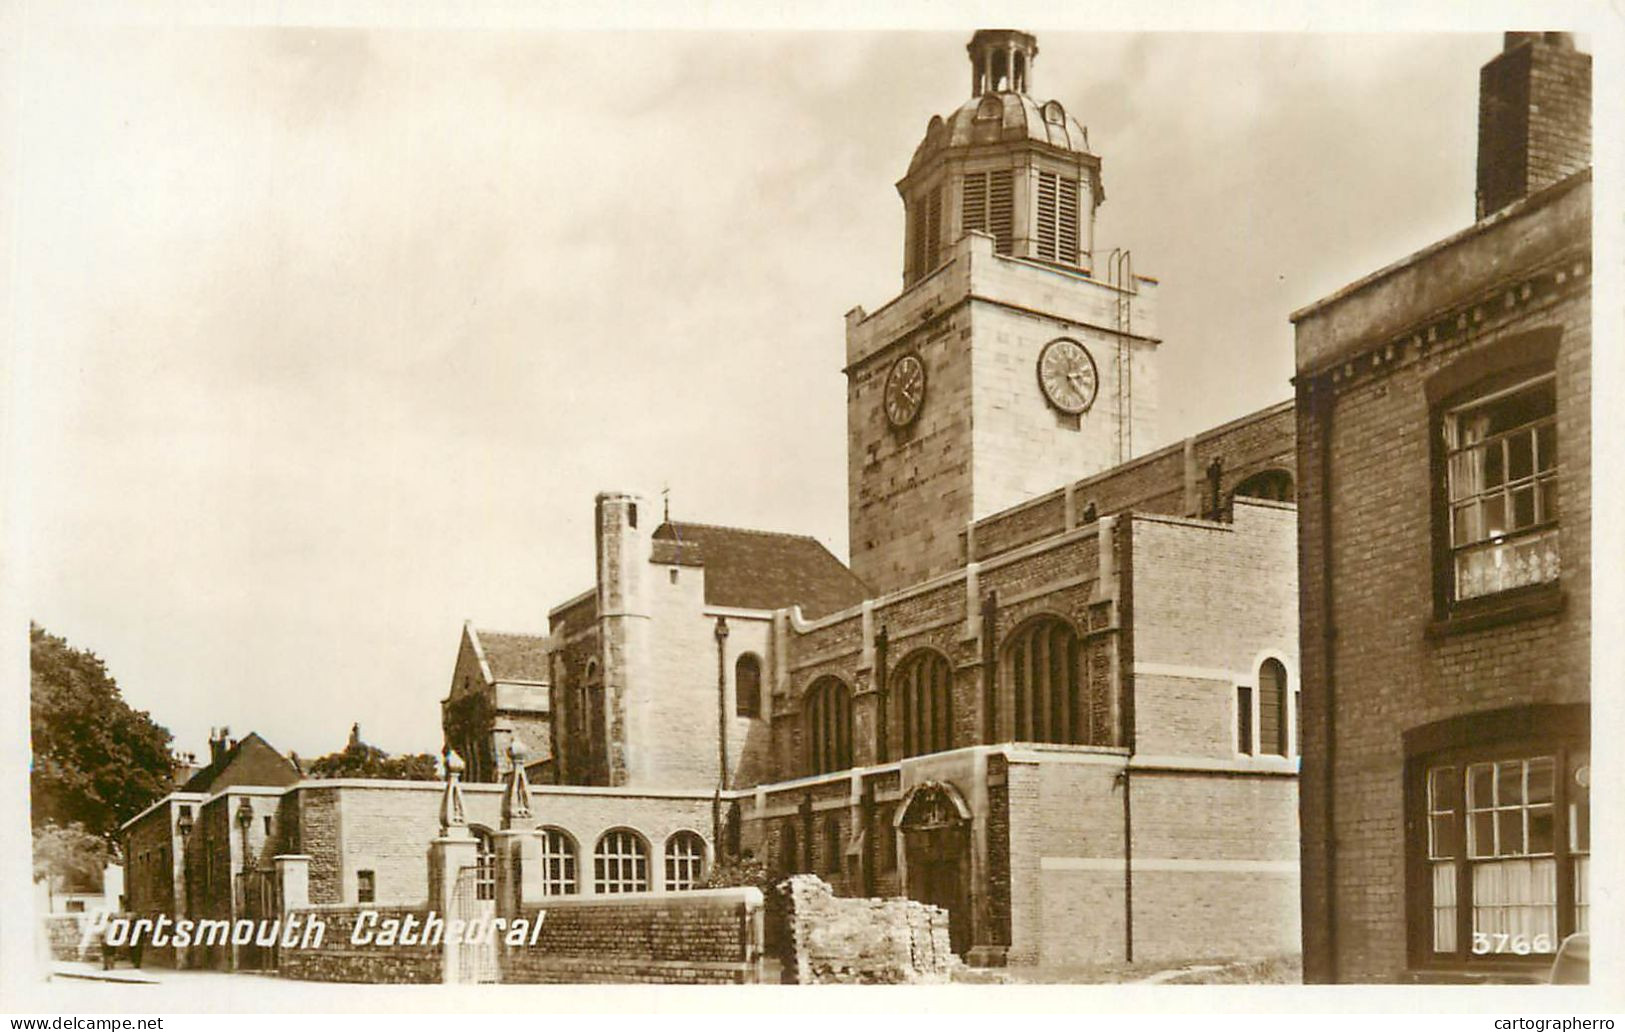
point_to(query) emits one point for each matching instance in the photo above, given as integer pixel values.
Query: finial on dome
(1001, 61)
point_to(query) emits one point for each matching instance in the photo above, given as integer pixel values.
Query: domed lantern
(1004, 164)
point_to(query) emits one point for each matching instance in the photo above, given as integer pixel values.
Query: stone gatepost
(454, 850)
(518, 851)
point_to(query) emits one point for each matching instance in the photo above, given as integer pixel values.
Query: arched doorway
(935, 825)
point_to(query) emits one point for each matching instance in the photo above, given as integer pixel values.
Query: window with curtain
(1501, 481)
(1506, 847)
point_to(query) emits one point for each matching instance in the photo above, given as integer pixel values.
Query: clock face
(1066, 372)
(905, 390)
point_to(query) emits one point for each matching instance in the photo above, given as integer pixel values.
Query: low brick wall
(835, 939)
(707, 936)
(337, 959)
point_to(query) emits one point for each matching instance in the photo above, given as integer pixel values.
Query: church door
(936, 841)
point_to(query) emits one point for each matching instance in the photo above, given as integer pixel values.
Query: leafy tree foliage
(71, 857)
(97, 762)
(359, 760)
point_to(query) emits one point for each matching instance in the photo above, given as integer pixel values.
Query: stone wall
(834, 940)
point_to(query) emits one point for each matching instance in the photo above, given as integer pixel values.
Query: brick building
(1056, 690)
(1444, 455)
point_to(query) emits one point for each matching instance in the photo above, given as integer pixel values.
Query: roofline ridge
(511, 634)
(740, 530)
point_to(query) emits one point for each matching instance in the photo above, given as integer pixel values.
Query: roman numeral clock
(905, 390)
(1067, 375)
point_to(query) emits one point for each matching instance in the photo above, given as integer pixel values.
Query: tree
(70, 857)
(359, 760)
(97, 762)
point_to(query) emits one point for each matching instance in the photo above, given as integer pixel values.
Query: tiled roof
(758, 569)
(514, 657)
(251, 761)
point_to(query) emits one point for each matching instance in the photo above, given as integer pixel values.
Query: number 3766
(1505, 942)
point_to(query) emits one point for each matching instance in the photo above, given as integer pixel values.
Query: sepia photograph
(977, 500)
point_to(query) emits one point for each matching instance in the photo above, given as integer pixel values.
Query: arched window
(922, 686)
(1273, 720)
(685, 861)
(832, 845)
(620, 863)
(1046, 704)
(485, 864)
(828, 713)
(1272, 484)
(558, 862)
(748, 685)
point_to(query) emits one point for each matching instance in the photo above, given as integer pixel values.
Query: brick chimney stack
(1534, 117)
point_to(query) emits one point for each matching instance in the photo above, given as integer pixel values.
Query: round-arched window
(558, 862)
(922, 691)
(827, 710)
(620, 862)
(1042, 661)
(685, 861)
(748, 685)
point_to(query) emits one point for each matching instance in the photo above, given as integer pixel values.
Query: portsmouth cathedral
(1054, 690)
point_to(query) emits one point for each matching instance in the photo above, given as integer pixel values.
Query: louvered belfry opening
(923, 689)
(828, 713)
(988, 205)
(1055, 227)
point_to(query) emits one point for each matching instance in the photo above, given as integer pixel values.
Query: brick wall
(711, 936)
(1369, 640)
(1211, 602)
(337, 959)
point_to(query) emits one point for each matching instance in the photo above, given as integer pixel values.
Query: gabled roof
(758, 569)
(250, 761)
(513, 657)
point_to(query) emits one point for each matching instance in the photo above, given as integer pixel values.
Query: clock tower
(1016, 358)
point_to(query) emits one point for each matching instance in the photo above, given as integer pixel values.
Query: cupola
(1004, 164)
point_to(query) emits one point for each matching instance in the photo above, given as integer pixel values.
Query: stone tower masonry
(1016, 358)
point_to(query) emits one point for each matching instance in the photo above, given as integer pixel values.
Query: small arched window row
(920, 690)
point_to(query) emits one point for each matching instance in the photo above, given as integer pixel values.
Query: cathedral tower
(1016, 358)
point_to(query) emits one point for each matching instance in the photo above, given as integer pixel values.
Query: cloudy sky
(328, 336)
